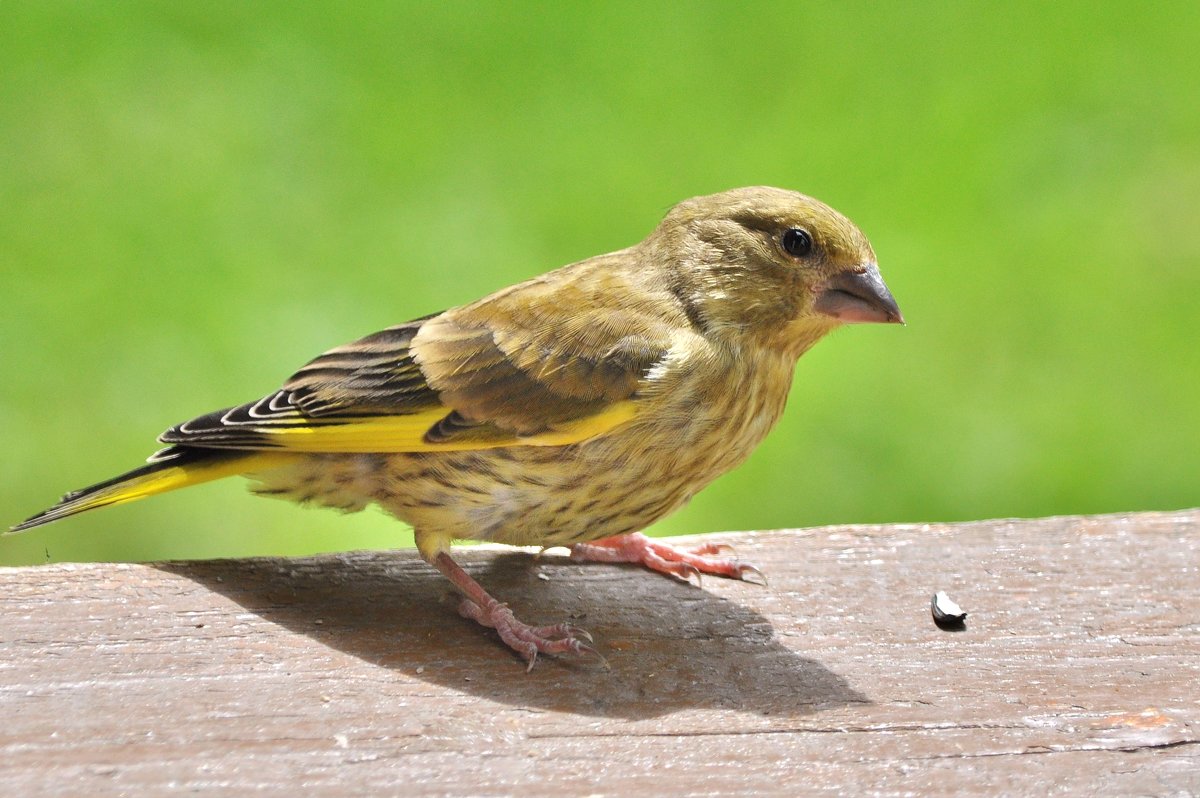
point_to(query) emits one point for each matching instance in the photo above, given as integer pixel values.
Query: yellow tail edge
(174, 468)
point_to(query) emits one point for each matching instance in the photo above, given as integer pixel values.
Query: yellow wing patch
(406, 433)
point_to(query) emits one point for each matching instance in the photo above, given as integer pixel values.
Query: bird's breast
(694, 426)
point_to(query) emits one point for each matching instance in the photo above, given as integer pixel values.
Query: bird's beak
(858, 297)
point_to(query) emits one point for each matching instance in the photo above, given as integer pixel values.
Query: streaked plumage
(582, 404)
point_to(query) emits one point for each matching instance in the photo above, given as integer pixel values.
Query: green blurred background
(195, 198)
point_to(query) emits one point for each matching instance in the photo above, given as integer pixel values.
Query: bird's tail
(172, 468)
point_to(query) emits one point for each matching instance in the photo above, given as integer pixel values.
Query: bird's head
(772, 265)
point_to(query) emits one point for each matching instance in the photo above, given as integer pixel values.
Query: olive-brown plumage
(574, 408)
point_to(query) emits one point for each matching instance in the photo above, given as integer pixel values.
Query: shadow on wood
(669, 645)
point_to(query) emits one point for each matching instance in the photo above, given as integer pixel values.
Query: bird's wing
(483, 376)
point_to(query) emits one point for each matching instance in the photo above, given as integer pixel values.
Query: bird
(573, 409)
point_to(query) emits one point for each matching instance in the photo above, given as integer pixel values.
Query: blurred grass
(199, 197)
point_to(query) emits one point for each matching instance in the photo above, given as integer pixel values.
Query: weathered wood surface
(1078, 673)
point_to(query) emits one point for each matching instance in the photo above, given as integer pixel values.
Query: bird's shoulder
(566, 343)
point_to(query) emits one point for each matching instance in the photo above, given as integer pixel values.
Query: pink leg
(526, 640)
(665, 558)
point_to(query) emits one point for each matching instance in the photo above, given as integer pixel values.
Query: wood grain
(1078, 671)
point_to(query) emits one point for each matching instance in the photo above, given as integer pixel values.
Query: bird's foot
(526, 640)
(665, 558)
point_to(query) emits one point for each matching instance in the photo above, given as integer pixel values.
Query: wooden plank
(352, 674)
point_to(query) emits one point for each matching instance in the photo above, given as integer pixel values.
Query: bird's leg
(665, 558)
(526, 640)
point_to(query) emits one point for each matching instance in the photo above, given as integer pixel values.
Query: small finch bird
(573, 409)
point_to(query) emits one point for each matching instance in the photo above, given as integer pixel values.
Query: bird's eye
(797, 242)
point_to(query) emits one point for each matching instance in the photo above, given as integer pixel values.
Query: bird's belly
(527, 495)
(616, 484)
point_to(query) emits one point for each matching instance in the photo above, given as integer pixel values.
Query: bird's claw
(686, 571)
(575, 631)
(683, 563)
(529, 641)
(708, 548)
(746, 569)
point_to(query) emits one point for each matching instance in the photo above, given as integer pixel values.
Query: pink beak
(858, 296)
